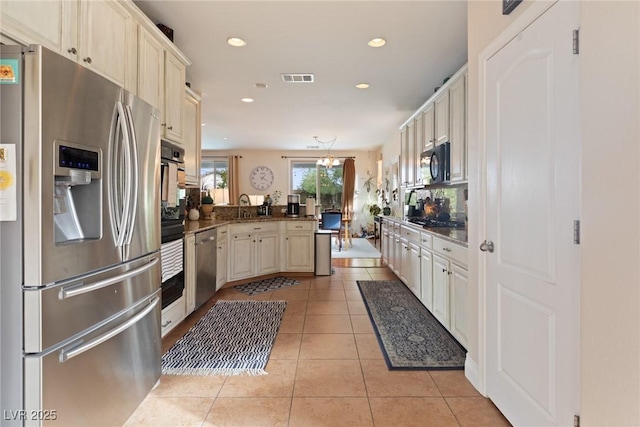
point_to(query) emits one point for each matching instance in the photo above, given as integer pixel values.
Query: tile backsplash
(453, 195)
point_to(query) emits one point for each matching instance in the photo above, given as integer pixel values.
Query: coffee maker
(293, 205)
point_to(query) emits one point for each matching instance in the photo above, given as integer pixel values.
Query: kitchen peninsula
(245, 248)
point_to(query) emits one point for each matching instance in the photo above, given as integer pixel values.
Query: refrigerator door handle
(135, 171)
(68, 354)
(81, 288)
(126, 168)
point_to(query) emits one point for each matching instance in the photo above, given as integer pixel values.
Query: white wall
(364, 160)
(610, 300)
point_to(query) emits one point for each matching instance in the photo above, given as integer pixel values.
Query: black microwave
(434, 164)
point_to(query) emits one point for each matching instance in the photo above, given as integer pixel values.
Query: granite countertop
(454, 235)
(191, 227)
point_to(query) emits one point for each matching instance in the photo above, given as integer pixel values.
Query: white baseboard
(472, 372)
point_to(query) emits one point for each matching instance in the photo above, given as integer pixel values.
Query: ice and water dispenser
(77, 189)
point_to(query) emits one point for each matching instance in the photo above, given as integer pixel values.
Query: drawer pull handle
(167, 323)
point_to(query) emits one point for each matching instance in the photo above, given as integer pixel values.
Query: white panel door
(532, 277)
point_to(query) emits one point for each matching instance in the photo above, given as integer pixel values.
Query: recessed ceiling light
(225, 138)
(362, 85)
(247, 99)
(377, 42)
(261, 85)
(236, 42)
(203, 124)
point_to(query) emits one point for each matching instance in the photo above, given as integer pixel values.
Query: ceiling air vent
(297, 78)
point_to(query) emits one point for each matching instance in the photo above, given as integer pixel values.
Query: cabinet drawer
(450, 250)
(172, 315)
(222, 232)
(253, 227)
(410, 234)
(426, 240)
(301, 225)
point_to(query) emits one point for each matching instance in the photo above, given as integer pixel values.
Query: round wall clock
(261, 177)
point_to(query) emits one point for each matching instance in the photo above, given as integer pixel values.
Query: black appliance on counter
(293, 205)
(435, 164)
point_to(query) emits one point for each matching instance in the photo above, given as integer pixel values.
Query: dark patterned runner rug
(409, 335)
(232, 338)
(264, 285)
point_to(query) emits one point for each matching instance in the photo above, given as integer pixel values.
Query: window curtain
(234, 179)
(348, 187)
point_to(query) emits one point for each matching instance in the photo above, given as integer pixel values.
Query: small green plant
(374, 209)
(276, 196)
(207, 200)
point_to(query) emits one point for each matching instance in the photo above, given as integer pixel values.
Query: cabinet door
(410, 158)
(441, 290)
(51, 23)
(192, 140)
(268, 260)
(221, 264)
(190, 272)
(404, 269)
(384, 245)
(441, 105)
(175, 76)
(404, 154)
(150, 68)
(429, 139)
(459, 291)
(426, 278)
(418, 143)
(107, 42)
(242, 261)
(458, 140)
(414, 270)
(397, 255)
(299, 252)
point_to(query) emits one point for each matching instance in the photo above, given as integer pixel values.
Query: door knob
(487, 246)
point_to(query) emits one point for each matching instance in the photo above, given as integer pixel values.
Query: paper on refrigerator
(8, 191)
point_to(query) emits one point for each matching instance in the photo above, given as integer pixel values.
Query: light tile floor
(326, 369)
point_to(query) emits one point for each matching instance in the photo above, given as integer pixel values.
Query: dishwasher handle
(205, 241)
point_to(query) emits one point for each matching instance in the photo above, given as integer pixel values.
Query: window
(311, 180)
(214, 178)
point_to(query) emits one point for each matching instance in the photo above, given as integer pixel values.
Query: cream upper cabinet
(403, 156)
(418, 143)
(428, 117)
(192, 129)
(174, 89)
(51, 23)
(150, 68)
(107, 41)
(101, 35)
(458, 137)
(441, 106)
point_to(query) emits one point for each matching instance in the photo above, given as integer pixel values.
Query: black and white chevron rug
(232, 338)
(264, 285)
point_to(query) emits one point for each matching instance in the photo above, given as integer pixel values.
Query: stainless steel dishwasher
(206, 250)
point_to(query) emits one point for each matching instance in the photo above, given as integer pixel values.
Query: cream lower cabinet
(426, 270)
(253, 250)
(459, 289)
(222, 257)
(190, 272)
(298, 246)
(441, 290)
(450, 287)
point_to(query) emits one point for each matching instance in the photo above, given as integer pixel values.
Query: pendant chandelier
(328, 161)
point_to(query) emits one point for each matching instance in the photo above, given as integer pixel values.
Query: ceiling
(426, 42)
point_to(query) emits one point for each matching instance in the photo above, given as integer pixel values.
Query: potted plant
(374, 209)
(206, 206)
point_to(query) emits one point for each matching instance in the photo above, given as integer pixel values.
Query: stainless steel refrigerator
(79, 244)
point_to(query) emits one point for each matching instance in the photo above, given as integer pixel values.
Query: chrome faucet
(248, 202)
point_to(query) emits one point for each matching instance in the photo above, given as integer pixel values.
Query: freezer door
(100, 378)
(59, 313)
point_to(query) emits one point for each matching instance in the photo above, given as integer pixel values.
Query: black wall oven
(435, 164)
